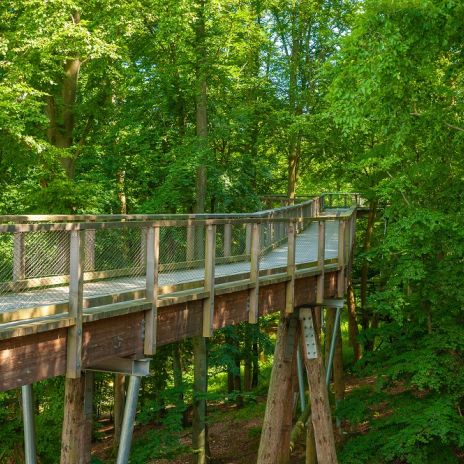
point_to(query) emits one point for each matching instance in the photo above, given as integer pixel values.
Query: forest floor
(234, 435)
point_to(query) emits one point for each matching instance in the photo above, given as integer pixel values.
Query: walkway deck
(305, 252)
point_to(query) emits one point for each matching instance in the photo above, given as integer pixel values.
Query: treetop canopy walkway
(80, 293)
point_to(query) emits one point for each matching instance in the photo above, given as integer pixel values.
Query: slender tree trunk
(248, 359)
(200, 383)
(118, 407)
(121, 180)
(353, 323)
(365, 270)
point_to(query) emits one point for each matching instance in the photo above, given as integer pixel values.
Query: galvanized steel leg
(299, 364)
(128, 420)
(29, 427)
(332, 346)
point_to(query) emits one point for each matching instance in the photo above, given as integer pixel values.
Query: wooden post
(274, 447)
(210, 258)
(190, 255)
(227, 240)
(320, 410)
(248, 228)
(291, 268)
(76, 297)
(254, 273)
(19, 256)
(320, 264)
(76, 432)
(341, 259)
(152, 265)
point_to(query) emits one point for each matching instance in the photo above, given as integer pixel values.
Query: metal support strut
(333, 342)
(29, 427)
(128, 420)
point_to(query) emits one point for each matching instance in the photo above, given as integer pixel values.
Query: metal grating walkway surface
(306, 252)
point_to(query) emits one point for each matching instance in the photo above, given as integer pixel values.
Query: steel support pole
(29, 427)
(128, 421)
(332, 346)
(299, 365)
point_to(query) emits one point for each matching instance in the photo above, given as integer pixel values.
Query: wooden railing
(62, 270)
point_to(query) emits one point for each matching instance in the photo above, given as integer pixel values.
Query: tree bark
(200, 384)
(353, 323)
(118, 407)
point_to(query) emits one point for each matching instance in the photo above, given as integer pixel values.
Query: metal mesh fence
(114, 260)
(33, 269)
(181, 253)
(232, 250)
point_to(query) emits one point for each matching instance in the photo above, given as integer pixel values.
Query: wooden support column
(76, 297)
(320, 410)
(77, 424)
(341, 259)
(210, 258)
(118, 407)
(291, 268)
(254, 273)
(75, 444)
(320, 263)
(275, 436)
(227, 240)
(152, 265)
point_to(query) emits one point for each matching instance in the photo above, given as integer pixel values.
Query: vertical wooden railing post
(341, 259)
(227, 240)
(254, 273)
(210, 258)
(19, 255)
(90, 237)
(291, 267)
(320, 263)
(152, 266)
(76, 300)
(190, 255)
(248, 228)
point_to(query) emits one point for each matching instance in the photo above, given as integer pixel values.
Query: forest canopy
(153, 106)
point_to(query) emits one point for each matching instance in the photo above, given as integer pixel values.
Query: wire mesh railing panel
(273, 245)
(6, 257)
(34, 268)
(233, 243)
(46, 253)
(114, 260)
(181, 254)
(331, 239)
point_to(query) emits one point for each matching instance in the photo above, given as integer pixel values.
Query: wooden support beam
(75, 436)
(76, 297)
(320, 410)
(291, 268)
(210, 257)
(320, 263)
(227, 240)
(274, 445)
(152, 266)
(254, 274)
(341, 259)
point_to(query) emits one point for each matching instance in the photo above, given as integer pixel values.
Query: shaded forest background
(176, 106)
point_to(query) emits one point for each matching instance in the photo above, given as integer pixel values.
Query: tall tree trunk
(200, 383)
(121, 180)
(61, 119)
(118, 407)
(365, 270)
(199, 427)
